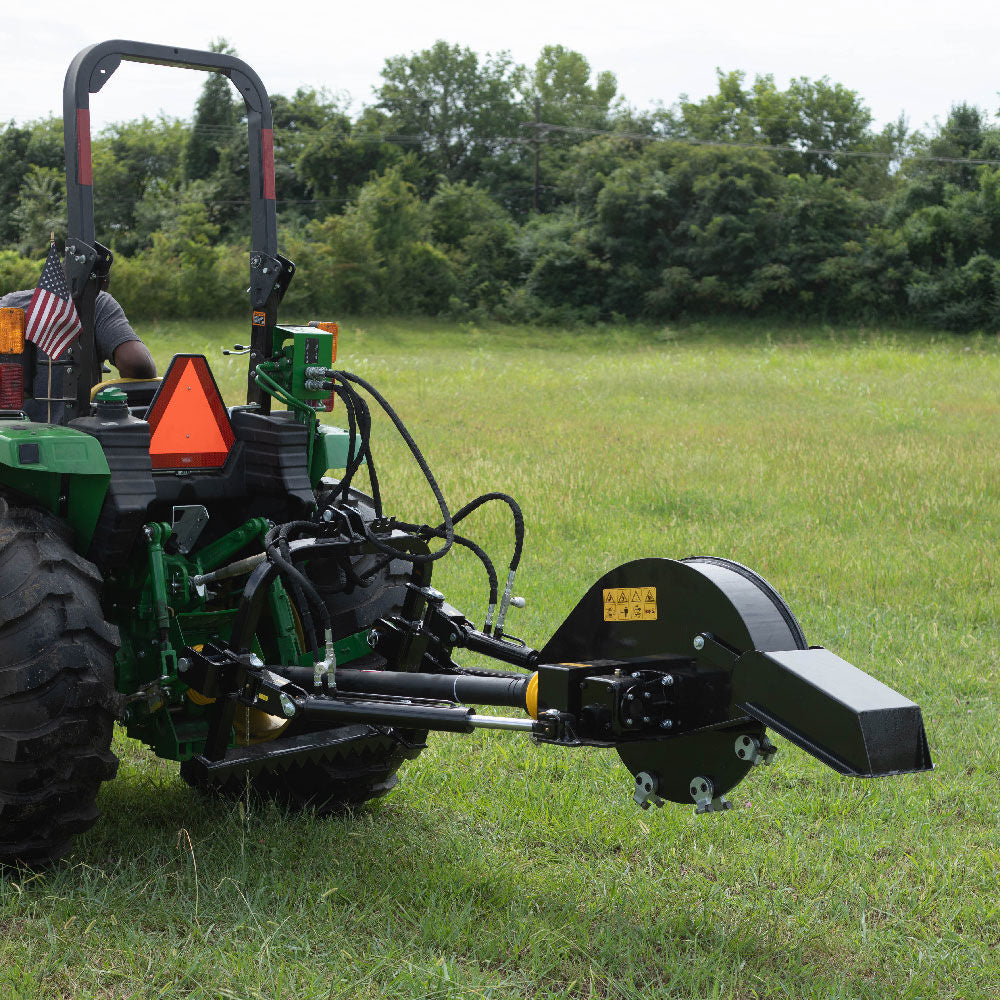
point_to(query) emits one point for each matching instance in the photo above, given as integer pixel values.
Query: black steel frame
(270, 273)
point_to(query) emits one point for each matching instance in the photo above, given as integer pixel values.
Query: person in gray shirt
(114, 338)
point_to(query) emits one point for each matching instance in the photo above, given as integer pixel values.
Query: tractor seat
(140, 391)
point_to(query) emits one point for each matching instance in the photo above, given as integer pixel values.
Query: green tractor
(195, 573)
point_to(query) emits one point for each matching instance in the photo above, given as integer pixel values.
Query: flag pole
(48, 414)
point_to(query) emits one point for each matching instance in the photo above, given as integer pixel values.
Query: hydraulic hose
(518, 517)
(477, 550)
(276, 544)
(447, 525)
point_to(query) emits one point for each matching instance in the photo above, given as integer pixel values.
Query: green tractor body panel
(64, 470)
(331, 451)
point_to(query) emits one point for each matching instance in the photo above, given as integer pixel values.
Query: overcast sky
(916, 58)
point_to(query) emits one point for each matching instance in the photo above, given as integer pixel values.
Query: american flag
(51, 320)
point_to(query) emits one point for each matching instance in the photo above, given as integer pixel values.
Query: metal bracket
(103, 71)
(188, 523)
(285, 278)
(755, 751)
(266, 692)
(705, 799)
(645, 790)
(78, 263)
(265, 274)
(708, 648)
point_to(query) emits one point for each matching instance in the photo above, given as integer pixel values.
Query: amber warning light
(11, 360)
(188, 422)
(11, 331)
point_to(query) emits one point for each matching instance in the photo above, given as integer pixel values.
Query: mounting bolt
(372, 638)
(636, 675)
(630, 697)
(667, 724)
(183, 665)
(699, 642)
(328, 514)
(668, 681)
(646, 719)
(287, 705)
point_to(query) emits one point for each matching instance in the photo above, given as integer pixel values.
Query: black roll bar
(93, 67)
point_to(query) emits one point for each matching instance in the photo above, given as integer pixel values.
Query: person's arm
(118, 342)
(133, 360)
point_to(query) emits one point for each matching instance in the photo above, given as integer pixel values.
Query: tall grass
(857, 471)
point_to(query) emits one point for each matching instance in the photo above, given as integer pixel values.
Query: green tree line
(474, 186)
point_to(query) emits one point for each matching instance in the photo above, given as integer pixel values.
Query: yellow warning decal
(629, 604)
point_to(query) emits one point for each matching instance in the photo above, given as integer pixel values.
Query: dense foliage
(476, 186)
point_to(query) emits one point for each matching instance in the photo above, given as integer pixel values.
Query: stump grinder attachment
(681, 665)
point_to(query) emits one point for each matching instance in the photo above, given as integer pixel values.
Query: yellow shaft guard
(531, 696)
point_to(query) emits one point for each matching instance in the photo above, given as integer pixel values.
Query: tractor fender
(59, 469)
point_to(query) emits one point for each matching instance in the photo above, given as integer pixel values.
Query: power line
(540, 127)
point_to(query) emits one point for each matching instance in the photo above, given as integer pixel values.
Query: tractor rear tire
(56, 688)
(361, 766)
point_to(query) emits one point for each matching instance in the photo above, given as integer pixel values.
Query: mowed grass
(856, 471)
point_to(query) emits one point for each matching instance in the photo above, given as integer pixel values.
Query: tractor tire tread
(355, 773)
(57, 698)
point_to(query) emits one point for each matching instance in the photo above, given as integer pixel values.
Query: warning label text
(624, 604)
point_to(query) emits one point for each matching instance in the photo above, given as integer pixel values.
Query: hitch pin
(327, 667)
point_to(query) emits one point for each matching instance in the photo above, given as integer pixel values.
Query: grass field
(857, 471)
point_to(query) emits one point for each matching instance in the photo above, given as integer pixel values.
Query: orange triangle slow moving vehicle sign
(188, 422)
